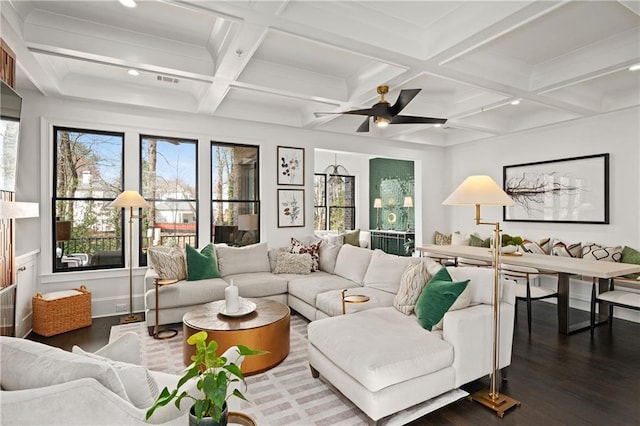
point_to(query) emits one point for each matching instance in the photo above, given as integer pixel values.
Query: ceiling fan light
(382, 121)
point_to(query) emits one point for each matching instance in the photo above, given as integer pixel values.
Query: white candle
(231, 298)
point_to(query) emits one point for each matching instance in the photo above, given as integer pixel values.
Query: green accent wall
(391, 180)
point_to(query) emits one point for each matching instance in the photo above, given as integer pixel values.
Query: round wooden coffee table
(267, 329)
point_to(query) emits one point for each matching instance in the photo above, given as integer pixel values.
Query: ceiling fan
(384, 114)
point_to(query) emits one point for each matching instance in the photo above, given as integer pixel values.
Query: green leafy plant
(508, 240)
(212, 373)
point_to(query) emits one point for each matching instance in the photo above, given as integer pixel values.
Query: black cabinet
(393, 242)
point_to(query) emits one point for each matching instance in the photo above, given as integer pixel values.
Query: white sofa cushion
(307, 287)
(385, 270)
(328, 256)
(27, 365)
(237, 260)
(140, 386)
(187, 293)
(352, 262)
(353, 342)
(330, 302)
(258, 284)
(480, 283)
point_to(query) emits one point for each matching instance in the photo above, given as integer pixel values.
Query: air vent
(167, 79)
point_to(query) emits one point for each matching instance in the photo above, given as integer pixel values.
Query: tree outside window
(169, 184)
(88, 176)
(337, 196)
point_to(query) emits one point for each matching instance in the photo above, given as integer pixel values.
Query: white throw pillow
(238, 260)
(593, 251)
(352, 262)
(413, 280)
(385, 271)
(457, 239)
(141, 388)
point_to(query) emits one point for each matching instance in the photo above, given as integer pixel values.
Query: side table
(352, 298)
(157, 333)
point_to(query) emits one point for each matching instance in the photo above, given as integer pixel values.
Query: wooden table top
(569, 265)
(208, 316)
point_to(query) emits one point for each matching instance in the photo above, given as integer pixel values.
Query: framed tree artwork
(290, 208)
(290, 166)
(569, 190)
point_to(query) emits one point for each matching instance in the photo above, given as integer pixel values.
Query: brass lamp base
(131, 318)
(501, 404)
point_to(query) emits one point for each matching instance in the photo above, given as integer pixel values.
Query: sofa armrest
(149, 279)
(470, 332)
(68, 403)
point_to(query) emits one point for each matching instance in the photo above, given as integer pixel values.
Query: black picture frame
(568, 190)
(290, 208)
(290, 166)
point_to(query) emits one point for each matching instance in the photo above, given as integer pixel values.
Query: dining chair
(623, 298)
(524, 277)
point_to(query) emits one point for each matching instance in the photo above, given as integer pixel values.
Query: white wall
(617, 134)
(111, 287)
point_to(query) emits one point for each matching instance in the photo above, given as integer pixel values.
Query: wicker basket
(51, 317)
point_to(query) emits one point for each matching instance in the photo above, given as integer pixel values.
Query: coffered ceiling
(281, 61)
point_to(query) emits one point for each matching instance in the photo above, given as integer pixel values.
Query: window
(170, 186)
(88, 176)
(235, 206)
(319, 202)
(337, 194)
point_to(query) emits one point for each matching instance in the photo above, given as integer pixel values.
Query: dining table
(565, 267)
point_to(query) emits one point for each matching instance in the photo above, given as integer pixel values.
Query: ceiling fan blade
(407, 119)
(353, 112)
(364, 127)
(406, 96)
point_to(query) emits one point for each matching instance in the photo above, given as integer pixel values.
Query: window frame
(323, 206)
(329, 209)
(256, 202)
(142, 255)
(55, 199)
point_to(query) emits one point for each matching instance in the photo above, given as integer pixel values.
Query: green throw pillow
(352, 238)
(437, 297)
(201, 264)
(630, 255)
(476, 241)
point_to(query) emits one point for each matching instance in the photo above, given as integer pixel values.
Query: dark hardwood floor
(560, 380)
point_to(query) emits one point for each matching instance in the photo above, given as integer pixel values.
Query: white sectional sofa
(380, 358)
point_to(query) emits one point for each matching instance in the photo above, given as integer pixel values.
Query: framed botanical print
(569, 190)
(290, 208)
(290, 166)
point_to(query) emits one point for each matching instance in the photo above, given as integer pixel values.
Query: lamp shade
(130, 199)
(247, 222)
(408, 202)
(478, 190)
(377, 203)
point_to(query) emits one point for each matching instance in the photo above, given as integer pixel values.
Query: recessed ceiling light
(133, 72)
(516, 102)
(635, 67)
(128, 3)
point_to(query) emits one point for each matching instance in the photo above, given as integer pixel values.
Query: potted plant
(213, 375)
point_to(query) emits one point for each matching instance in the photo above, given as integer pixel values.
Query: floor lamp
(131, 200)
(477, 191)
(408, 204)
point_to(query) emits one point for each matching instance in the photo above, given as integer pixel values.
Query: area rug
(286, 394)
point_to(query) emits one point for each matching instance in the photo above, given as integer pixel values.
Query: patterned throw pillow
(537, 247)
(442, 239)
(560, 248)
(313, 249)
(168, 263)
(289, 263)
(412, 282)
(593, 251)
